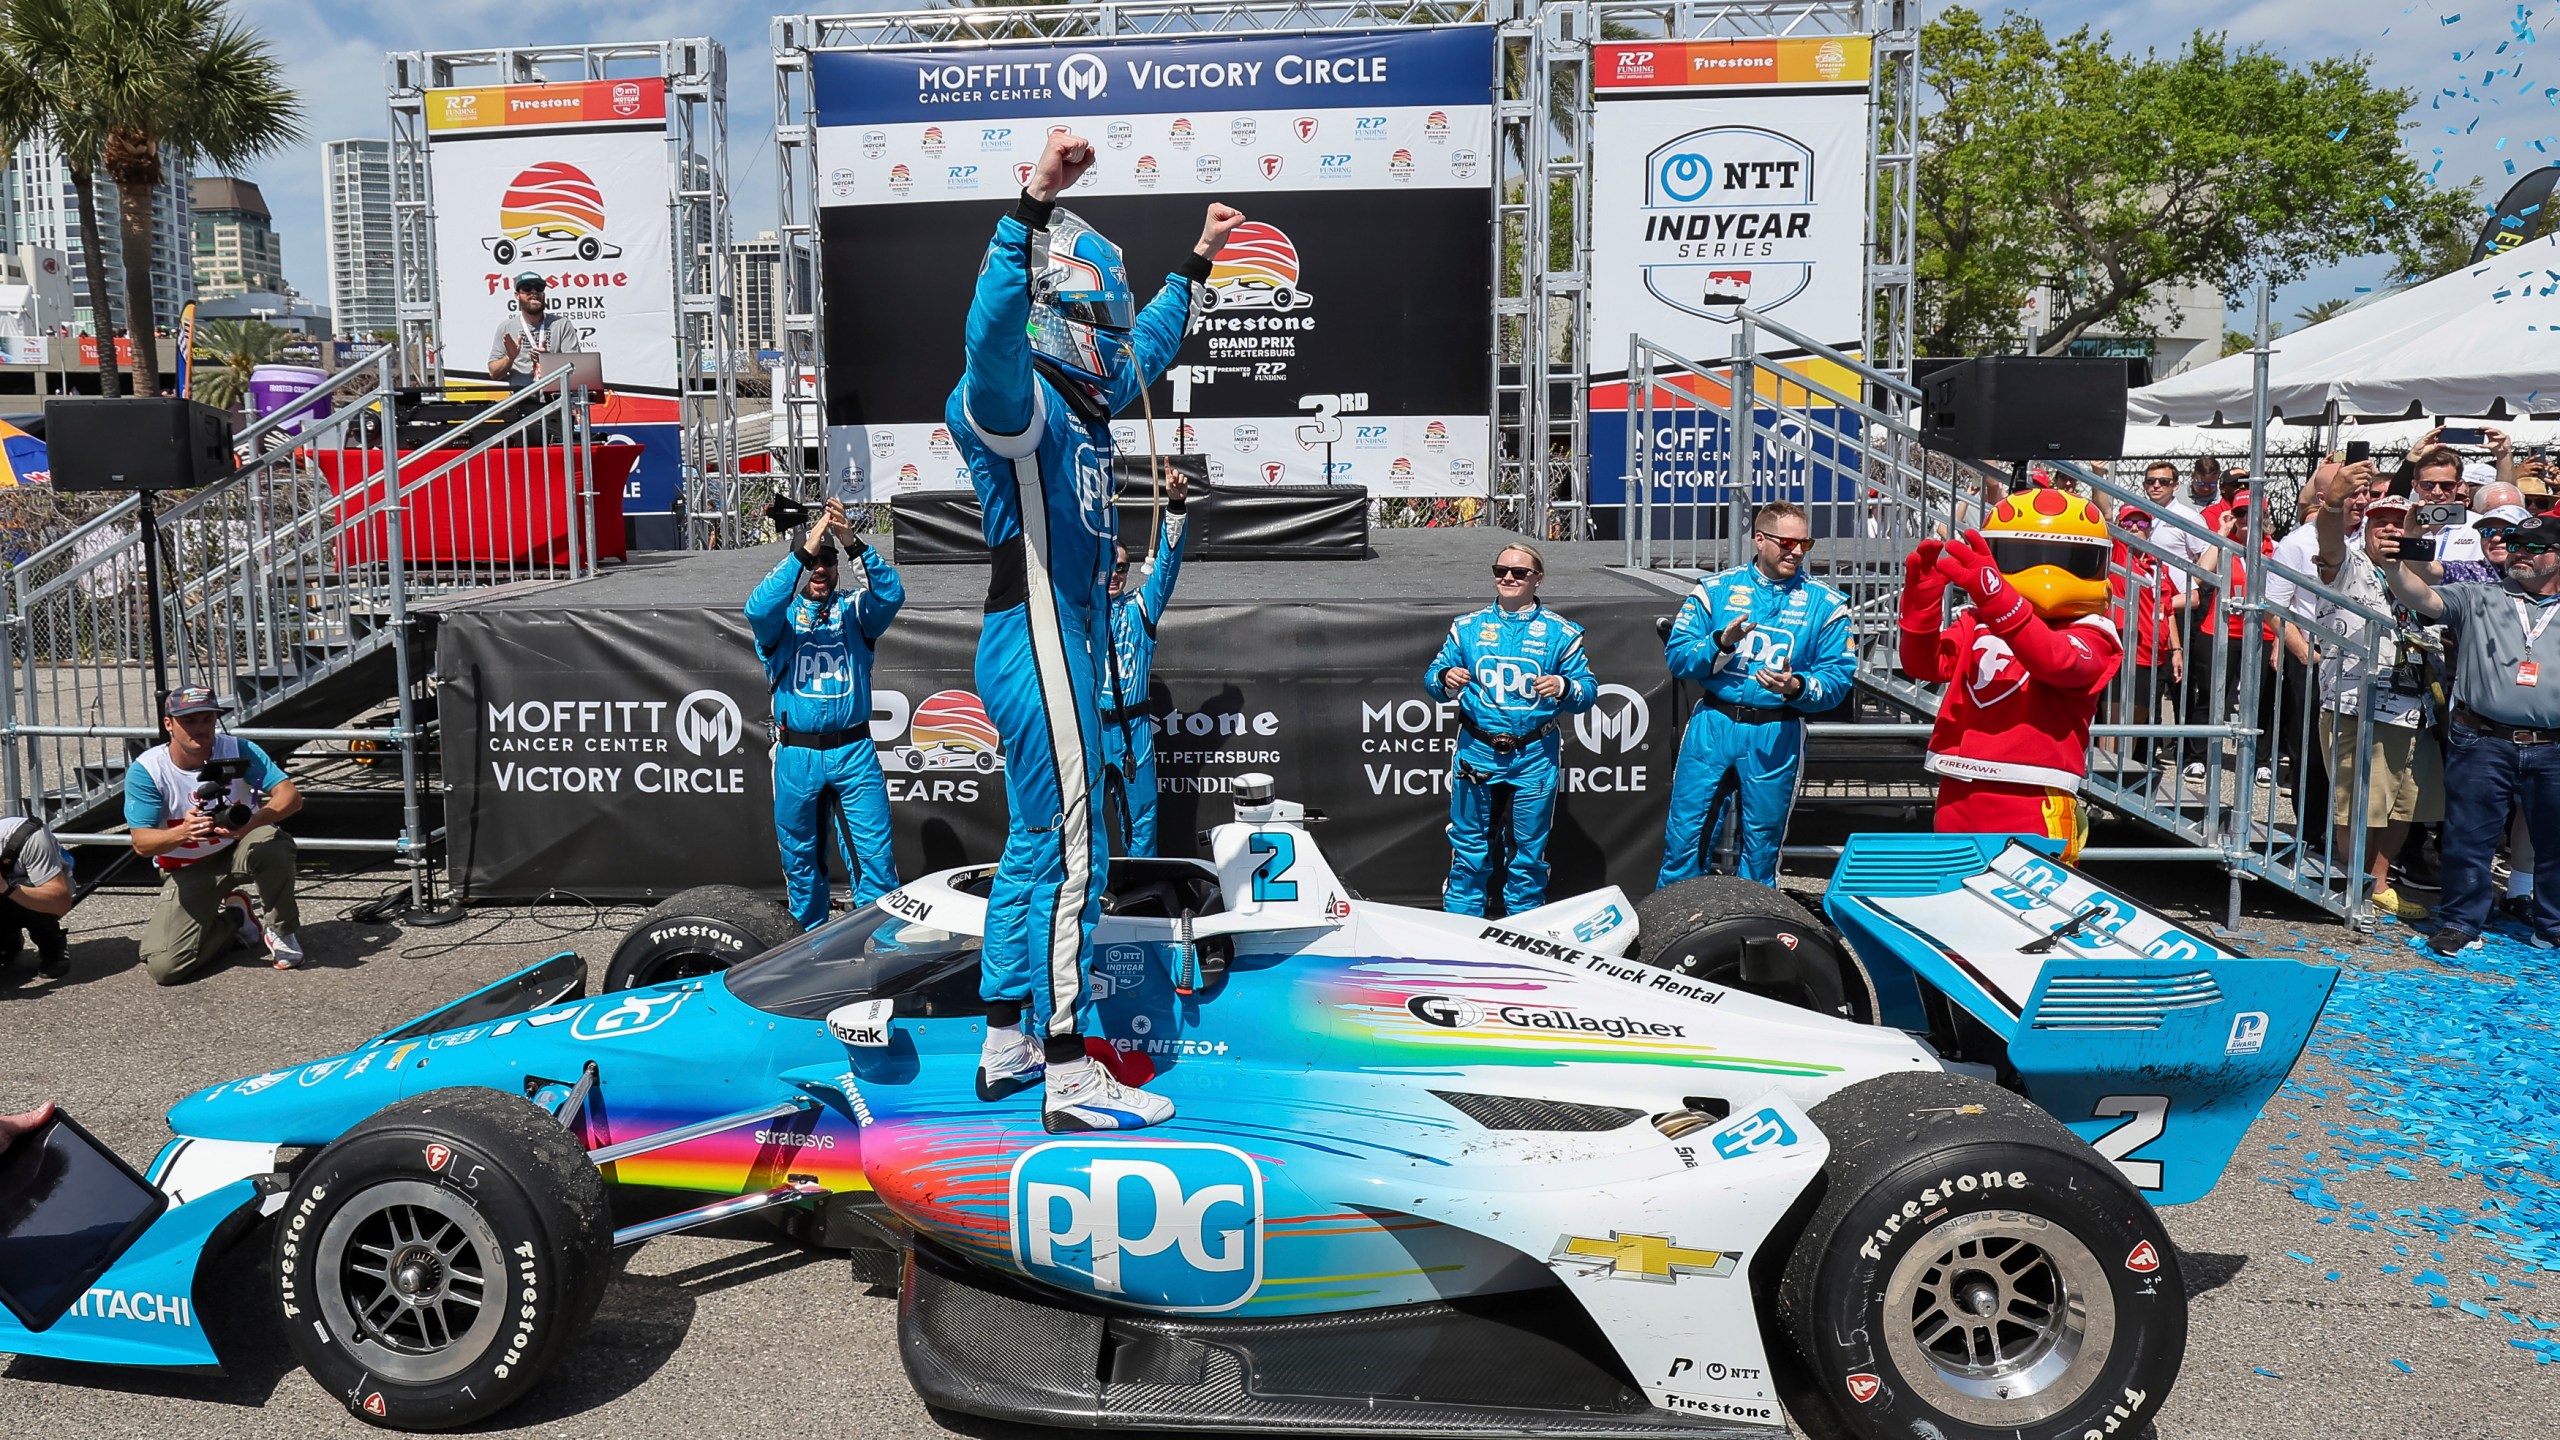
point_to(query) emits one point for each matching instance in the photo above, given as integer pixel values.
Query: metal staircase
(1821, 428)
(285, 587)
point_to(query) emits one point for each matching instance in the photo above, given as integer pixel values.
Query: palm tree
(229, 350)
(2323, 310)
(180, 79)
(41, 94)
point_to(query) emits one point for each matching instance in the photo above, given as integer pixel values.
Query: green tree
(228, 350)
(2328, 309)
(2109, 177)
(42, 95)
(172, 80)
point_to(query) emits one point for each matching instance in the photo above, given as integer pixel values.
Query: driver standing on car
(530, 332)
(816, 644)
(1056, 347)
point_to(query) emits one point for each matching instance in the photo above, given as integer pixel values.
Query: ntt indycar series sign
(1319, 358)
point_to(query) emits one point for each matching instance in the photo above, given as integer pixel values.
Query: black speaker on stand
(2026, 407)
(142, 444)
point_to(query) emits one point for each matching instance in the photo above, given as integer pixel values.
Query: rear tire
(701, 931)
(436, 1260)
(1954, 1214)
(1700, 926)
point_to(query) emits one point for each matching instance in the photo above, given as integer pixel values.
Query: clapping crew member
(1056, 346)
(36, 875)
(1769, 645)
(1513, 667)
(204, 808)
(2024, 664)
(2502, 749)
(1128, 740)
(816, 643)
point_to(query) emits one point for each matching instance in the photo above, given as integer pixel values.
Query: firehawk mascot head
(2044, 554)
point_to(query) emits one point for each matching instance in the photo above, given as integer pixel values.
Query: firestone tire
(1953, 1212)
(1698, 928)
(701, 931)
(436, 1260)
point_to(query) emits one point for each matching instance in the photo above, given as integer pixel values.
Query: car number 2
(1279, 850)
(2147, 1119)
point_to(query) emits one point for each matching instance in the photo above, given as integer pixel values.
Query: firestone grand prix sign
(1323, 355)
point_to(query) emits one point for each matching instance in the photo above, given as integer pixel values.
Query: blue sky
(334, 51)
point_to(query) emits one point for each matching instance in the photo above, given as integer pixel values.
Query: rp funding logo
(1083, 76)
(708, 723)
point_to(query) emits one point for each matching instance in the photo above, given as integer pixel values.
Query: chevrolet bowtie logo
(1642, 1257)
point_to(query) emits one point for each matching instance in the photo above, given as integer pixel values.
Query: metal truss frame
(697, 74)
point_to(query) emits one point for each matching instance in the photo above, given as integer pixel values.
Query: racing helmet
(1081, 308)
(2053, 548)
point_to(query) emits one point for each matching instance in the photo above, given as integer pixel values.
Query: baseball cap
(2508, 514)
(531, 280)
(2476, 473)
(193, 700)
(2540, 531)
(2388, 502)
(2131, 513)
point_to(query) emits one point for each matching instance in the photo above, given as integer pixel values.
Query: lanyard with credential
(2528, 669)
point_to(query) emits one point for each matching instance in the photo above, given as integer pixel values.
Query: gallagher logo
(552, 211)
(1400, 165)
(932, 143)
(1145, 172)
(1304, 127)
(1270, 165)
(1435, 437)
(1435, 126)
(900, 180)
(1258, 270)
(1180, 132)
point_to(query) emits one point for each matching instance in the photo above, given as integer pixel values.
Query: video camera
(213, 792)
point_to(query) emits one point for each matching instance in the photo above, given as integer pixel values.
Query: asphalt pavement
(2356, 1274)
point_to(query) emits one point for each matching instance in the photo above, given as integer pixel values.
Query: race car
(1688, 1167)
(549, 242)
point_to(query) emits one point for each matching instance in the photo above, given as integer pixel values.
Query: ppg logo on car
(1170, 1227)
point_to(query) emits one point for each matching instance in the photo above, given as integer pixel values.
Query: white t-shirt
(2190, 548)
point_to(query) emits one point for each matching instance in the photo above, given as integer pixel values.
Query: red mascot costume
(2024, 664)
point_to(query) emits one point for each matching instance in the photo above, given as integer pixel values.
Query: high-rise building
(356, 200)
(756, 295)
(237, 250)
(39, 207)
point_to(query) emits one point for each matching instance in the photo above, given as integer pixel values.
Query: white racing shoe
(1010, 1062)
(1084, 1096)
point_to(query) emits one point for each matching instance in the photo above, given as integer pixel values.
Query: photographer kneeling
(2503, 746)
(204, 808)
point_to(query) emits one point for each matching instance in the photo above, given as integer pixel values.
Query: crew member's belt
(1747, 714)
(2470, 719)
(1506, 744)
(1123, 717)
(823, 739)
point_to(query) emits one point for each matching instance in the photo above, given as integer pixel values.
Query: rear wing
(2154, 1042)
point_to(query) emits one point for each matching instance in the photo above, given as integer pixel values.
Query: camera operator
(204, 808)
(2404, 766)
(37, 876)
(2503, 746)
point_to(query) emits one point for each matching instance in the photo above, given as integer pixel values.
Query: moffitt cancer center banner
(1725, 174)
(1349, 322)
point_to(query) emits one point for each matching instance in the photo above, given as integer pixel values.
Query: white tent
(2456, 345)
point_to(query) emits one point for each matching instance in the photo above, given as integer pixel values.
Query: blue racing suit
(1743, 738)
(817, 662)
(1502, 782)
(1040, 460)
(1128, 736)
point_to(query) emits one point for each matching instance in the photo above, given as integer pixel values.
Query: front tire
(701, 931)
(436, 1260)
(1973, 1269)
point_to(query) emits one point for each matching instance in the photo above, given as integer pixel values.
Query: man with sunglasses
(2502, 748)
(1512, 667)
(1768, 645)
(816, 643)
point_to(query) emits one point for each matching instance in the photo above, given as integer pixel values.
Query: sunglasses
(1514, 572)
(2496, 533)
(2453, 484)
(2534, 547)
(1782, 542)
(1120, 569)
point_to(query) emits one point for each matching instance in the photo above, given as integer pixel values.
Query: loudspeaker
(2026, 407)
(160, 443)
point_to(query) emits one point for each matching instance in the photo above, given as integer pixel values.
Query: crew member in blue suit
(816, 644)
(1128, 738)
(1769, 645)
(1056, 347)
(1513, 667)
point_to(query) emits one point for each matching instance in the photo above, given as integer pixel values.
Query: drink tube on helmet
(1081, 308)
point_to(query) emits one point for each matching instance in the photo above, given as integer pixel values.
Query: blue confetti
(2307, 1260)
(2263, 1370)
(2403, 1367)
